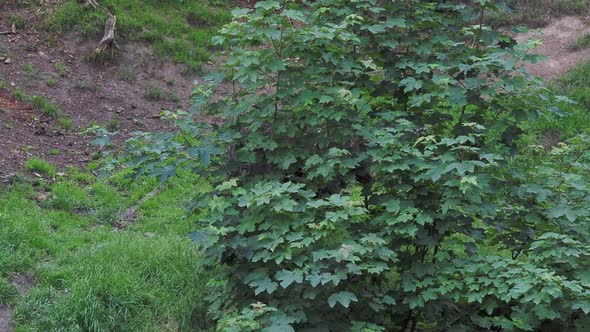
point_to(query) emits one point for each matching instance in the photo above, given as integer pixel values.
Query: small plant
(65, 122)
(47, 108)
(18, 22)
(153, 92)
(170, 82)
(40, 166)
(174, 97)
(61, 69)
(126, 75)
(20, 95)
(38, 102)
(30, 70)
(51, 82)
(93, 166)
(112, 125)
(581, 43)
(87, 86)
(3, 84)
(54, 152)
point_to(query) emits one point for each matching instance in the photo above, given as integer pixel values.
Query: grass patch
(20, 95)
(112, 125)
(91, 278)
(61, 69)
(51, 82)
(40, 166)
(179, 30)
(65, 122)
(578, 77)
(153, 92)
(30, 71)
(581, 43)
(174, 97)
(125, 74)
(47, 108)
(41, 104)
(550, 128)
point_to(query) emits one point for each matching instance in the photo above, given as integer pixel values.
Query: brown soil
(557, 38)
(88, 93)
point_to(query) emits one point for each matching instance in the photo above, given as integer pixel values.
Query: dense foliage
(369, 178)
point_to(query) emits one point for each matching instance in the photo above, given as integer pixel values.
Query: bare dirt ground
(557, 38)
(112, 94)
(5, 319)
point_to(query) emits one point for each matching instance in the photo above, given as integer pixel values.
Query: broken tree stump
(108, 39)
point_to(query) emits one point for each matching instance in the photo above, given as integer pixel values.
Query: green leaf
(344, 298)
(286, 278)
(268, 4)
(411, 84)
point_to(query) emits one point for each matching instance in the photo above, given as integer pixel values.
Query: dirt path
(5, 319)
(558, 37)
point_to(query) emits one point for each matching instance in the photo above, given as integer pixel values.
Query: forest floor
(70, 255)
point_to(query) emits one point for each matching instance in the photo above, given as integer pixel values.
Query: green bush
(369, 180)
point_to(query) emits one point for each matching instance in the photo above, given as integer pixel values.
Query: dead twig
(12, 31)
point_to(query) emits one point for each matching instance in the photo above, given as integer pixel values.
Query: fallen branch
(12, 31)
